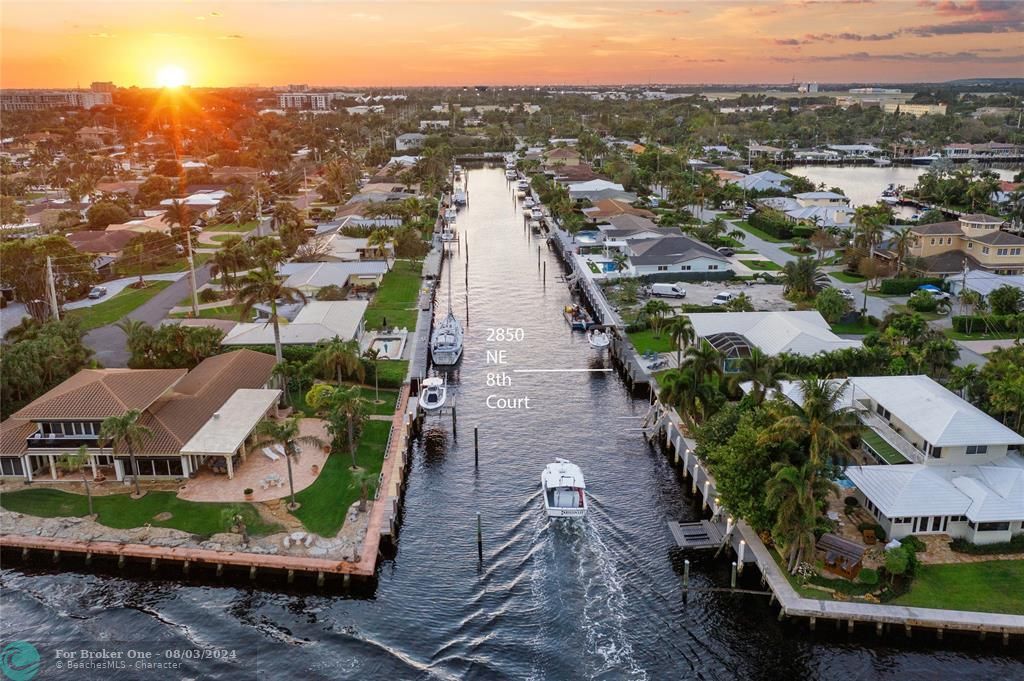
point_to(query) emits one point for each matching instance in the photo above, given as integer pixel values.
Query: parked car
(675, 290)
(97, 292)
(846, 293)
(724, 298)
(936, 292)
(726, 251)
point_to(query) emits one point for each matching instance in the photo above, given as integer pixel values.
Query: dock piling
(544, 276)
(152, 564)
(24, 553)
(740, 553)
(88, 558)
(291, 576)
(184, 568)
(732, 578)
(479, 538)
(120, 561)
(686, 577)
(220, 569)
(56, 556)
(476, 447)
(454, 421)
(320, 578)
(252, 572)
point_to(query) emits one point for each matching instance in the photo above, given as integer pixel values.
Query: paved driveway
(109, 342)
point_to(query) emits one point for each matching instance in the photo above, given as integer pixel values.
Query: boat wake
(578, 587)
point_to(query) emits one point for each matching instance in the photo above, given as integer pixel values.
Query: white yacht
(599, 340)
(433, 394)
(446, 341)
(563, 488)
(450, 214)
(510, 174)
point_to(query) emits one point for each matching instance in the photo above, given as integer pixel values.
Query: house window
(977, 449)
(1014, 251)
(933, 241)
(712, 267)
(12, 465)
(984, 249)
(684, 268)
(970, 244)
(937, 452)
(663, 268)
(1002, 251)
(993, 527)
(949, 240)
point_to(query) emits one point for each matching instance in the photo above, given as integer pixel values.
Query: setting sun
(171, 76)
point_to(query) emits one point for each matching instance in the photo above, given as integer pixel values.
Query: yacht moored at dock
(599, 340)
(577, 316)
(446, 341)
(563, 488)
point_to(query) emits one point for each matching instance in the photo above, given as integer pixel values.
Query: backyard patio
(266, 477)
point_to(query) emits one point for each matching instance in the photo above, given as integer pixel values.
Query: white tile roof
(802, 332)
(934, 413)
(986, 493)
(318, 320)
(228, 427)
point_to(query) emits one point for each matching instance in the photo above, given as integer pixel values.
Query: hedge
(902, 287)
(392, 376)
(990, 323)
(718, 275)
(780, 229)
(1015, 545)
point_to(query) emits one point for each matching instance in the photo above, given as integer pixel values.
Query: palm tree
(288, 434)
(704, 359)
(223, 264)
(125, 430)
(763, 371)
(902, 240)
(621, 261)
(821, 420)
(138, 334)
(263, 285)
(285, 213)
(340, 358)
(803, 277)
(378, 241)
(683, 334)
(373, 354)
(794, 493)
(77, 462)
(654, 311)
(178, 214)
(694, 398)
(352, 406)
(361, 480)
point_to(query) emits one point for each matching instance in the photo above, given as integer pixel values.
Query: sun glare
(171, 76)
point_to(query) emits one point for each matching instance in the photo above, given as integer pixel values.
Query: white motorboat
(883, 161)
(446, 341)
(599, 340)
(433, 394)
(459, 198)
(510, 174)
(925, 160)
(523, 185)
(458, 171)
(528, 203)
(450, 215)
(536, 212)
(448, 234)
(563, 488)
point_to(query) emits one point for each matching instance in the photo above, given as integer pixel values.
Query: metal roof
(231, 424)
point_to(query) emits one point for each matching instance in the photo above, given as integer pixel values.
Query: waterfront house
(764, 181)
(974, 241)
(316, 321)
(965, 475)
(735, 334)
(822, 199)
(311, 277)
(656, 258)
(340, 248)
(595, 190)
(771, 153)
(174, 404)
(604, 209)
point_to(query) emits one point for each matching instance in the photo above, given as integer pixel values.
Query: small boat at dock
(446, 341)
(433, 394)
(511, 174)
(599, 340)
(459, 198)
(564, 490)
(577, 317)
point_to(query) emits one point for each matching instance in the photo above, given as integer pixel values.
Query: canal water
(599, 599)
(864, 184)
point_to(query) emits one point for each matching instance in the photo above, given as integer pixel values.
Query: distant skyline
(421, 42)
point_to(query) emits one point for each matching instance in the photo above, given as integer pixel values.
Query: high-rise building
(103, 86)
(36, 100)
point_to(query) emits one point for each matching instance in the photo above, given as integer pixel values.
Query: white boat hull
(564, 490)
(446, 358)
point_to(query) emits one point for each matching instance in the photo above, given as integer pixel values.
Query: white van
(724, 298)
(675, 290)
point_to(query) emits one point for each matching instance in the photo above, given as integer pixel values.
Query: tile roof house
(101, 242)
(965, 479)
(562, 156)
(974, 240)
(174, 405)
(603, 209)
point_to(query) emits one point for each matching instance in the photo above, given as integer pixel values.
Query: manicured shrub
(851, 501)
(903, 287)
(920, 301)
(868, 577)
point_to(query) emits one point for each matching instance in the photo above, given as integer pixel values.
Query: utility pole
(192, 273)
(51, 289)
(259, 213)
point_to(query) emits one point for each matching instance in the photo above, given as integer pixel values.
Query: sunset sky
(329, 42)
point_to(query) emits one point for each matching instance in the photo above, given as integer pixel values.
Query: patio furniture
(287, 542)
(869, 537)
(309, 540)
(267, 452)
(298, 536)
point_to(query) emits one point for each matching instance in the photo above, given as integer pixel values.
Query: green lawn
(230, 312)
(392, 371)
(297, 399)
(243, 227)
(122, 512)
(326, 501)
(178, 265)
(396, 300)
(645, 341)
(747, 227)
(847, 277)
(980, 335)
(991, 586)
(220, 238)
(110, 311)
(792, 250)
(859, 327)
(761, 265)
